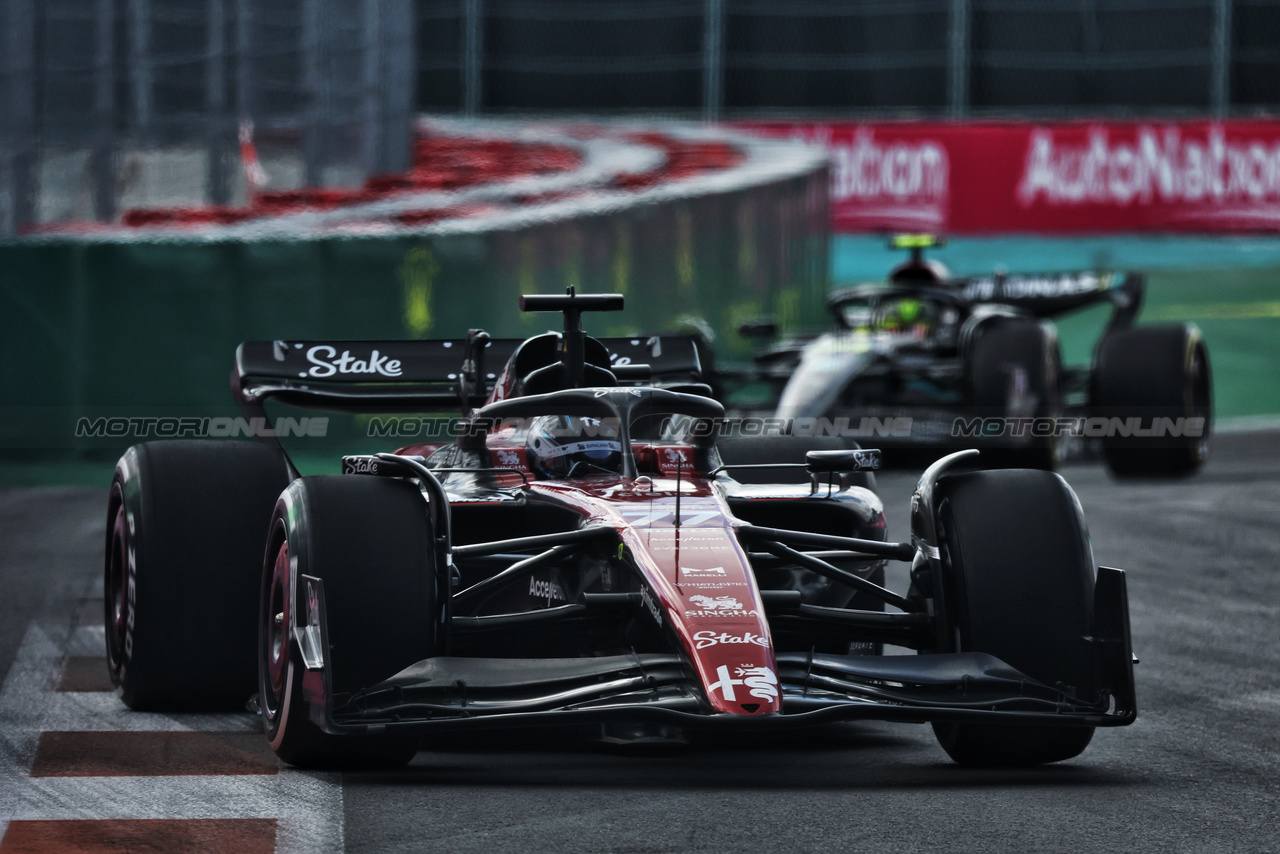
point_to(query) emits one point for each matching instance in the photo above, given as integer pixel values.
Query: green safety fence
(90, 325)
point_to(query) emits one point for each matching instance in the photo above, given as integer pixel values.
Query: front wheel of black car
(1015, 373)
(186, 524)
(369, 542)
(1154, 378)
(1020, 588)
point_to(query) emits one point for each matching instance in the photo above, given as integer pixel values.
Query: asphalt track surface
(1199, 771)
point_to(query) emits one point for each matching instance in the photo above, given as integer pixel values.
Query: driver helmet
(906, 314)
(919, 272)
(572, 445)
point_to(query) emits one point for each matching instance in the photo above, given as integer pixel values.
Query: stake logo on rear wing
(359, 374)
(326, 363)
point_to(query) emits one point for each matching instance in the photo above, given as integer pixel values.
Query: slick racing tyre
(1014, 371)
(1155, 373)
(186, 525)
(369, 541)
(759, 450)
(1020, 579)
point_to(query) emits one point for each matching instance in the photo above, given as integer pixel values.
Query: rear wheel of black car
(369, 542)
(1014, 371)
(1020, 588)
(1160, 376)
(187, 521)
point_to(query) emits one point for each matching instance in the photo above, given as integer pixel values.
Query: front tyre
(1020, 587)
(370, 543)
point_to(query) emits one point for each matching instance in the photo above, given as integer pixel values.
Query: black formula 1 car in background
(580, 555)
(931, 362)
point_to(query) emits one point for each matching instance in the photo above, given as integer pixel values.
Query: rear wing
(422, 375)
(1048, 294)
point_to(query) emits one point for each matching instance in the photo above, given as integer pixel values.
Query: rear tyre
(759, 450)
(370, 543)
(1020, 588)
(186, 524)
(1014, 371)
(1154, 372)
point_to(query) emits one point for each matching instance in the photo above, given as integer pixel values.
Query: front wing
(456, 693)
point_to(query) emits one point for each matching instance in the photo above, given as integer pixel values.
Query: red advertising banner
(1049, 178)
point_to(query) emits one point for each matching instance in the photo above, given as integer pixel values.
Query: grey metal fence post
(8, 135)
(958, 50)
(140, 60)
(472, 58)
(102, 167)
(244, 67)
(713, 61)
(315, 124)
(1091, 36)
(400, 44)
(372, 127)
(1220, 96)
(217, 179)
(19, 41)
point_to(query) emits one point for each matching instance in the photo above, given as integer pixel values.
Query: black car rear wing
(1049, 294)
(1041, 295)
(423, 375)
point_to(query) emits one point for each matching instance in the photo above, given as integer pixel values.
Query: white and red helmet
(573, 446)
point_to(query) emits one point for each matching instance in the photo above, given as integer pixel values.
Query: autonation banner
(1053, 178)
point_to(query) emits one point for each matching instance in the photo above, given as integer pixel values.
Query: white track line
(1248, 424)
(307, 806)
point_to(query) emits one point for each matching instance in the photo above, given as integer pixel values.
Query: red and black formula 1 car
(580, 555)
(934, 362)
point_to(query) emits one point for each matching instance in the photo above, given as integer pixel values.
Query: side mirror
(632, 373)
(840, 462)
(761, 327)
